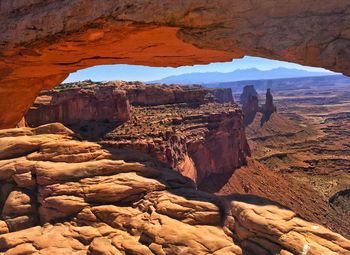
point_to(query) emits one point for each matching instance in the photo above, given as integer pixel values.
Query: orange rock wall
(73, 106)
(41, 42)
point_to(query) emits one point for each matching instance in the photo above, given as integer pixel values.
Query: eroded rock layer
(106, 205)
(96, 108)
(41, 42)
(200, 141)
(79, 105)
(182, 126)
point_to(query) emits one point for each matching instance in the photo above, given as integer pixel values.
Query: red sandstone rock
(74, 106)
(107, 205)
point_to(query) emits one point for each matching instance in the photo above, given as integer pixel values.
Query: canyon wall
(223, 150)
(181, 126)
(76, 105)
(199, 142)
(222, 95)
(41, 42)
(143, 95)
(87, 101)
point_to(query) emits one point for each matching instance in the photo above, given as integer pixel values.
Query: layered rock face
(78, 105)
(199, 141)
(88, 107)
(41, 42)
(107, 205)
(174, 124)
(143, 95)
(250, 103)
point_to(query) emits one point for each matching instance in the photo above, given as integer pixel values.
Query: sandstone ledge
(87, 202)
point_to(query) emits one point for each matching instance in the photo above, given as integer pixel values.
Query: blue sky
(145, 73)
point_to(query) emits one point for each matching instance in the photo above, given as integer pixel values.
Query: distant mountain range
(285, 84)
(238, 75)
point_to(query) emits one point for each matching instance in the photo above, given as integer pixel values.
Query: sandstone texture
(41, 42)
(222, 95)
(90, 201)
(141, 94)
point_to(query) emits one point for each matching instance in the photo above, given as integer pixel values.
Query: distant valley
(285, 84)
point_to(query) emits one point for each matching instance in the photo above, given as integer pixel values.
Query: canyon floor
(307, 143)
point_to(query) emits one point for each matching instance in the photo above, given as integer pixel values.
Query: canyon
(183, 126)
(63, 194)
(201, 139)
(306, 143)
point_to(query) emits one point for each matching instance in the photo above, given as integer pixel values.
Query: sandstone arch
(41, 42)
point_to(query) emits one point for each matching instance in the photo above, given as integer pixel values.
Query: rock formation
(183, 130)
(141, 94)
(200, 142)
(77, 105)
(93, 108)
(160, 94)
(107, 205)
(222, 95)
(41, 42)
(269, 106)
(250, 103)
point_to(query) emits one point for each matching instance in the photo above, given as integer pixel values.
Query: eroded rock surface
(92, 202)
(41, 42)
(79, 105)
(200, 141)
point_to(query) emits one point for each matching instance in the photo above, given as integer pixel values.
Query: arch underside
(41, 42)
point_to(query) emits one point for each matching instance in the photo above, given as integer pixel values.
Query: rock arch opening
(39, 51)
(109, 202)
